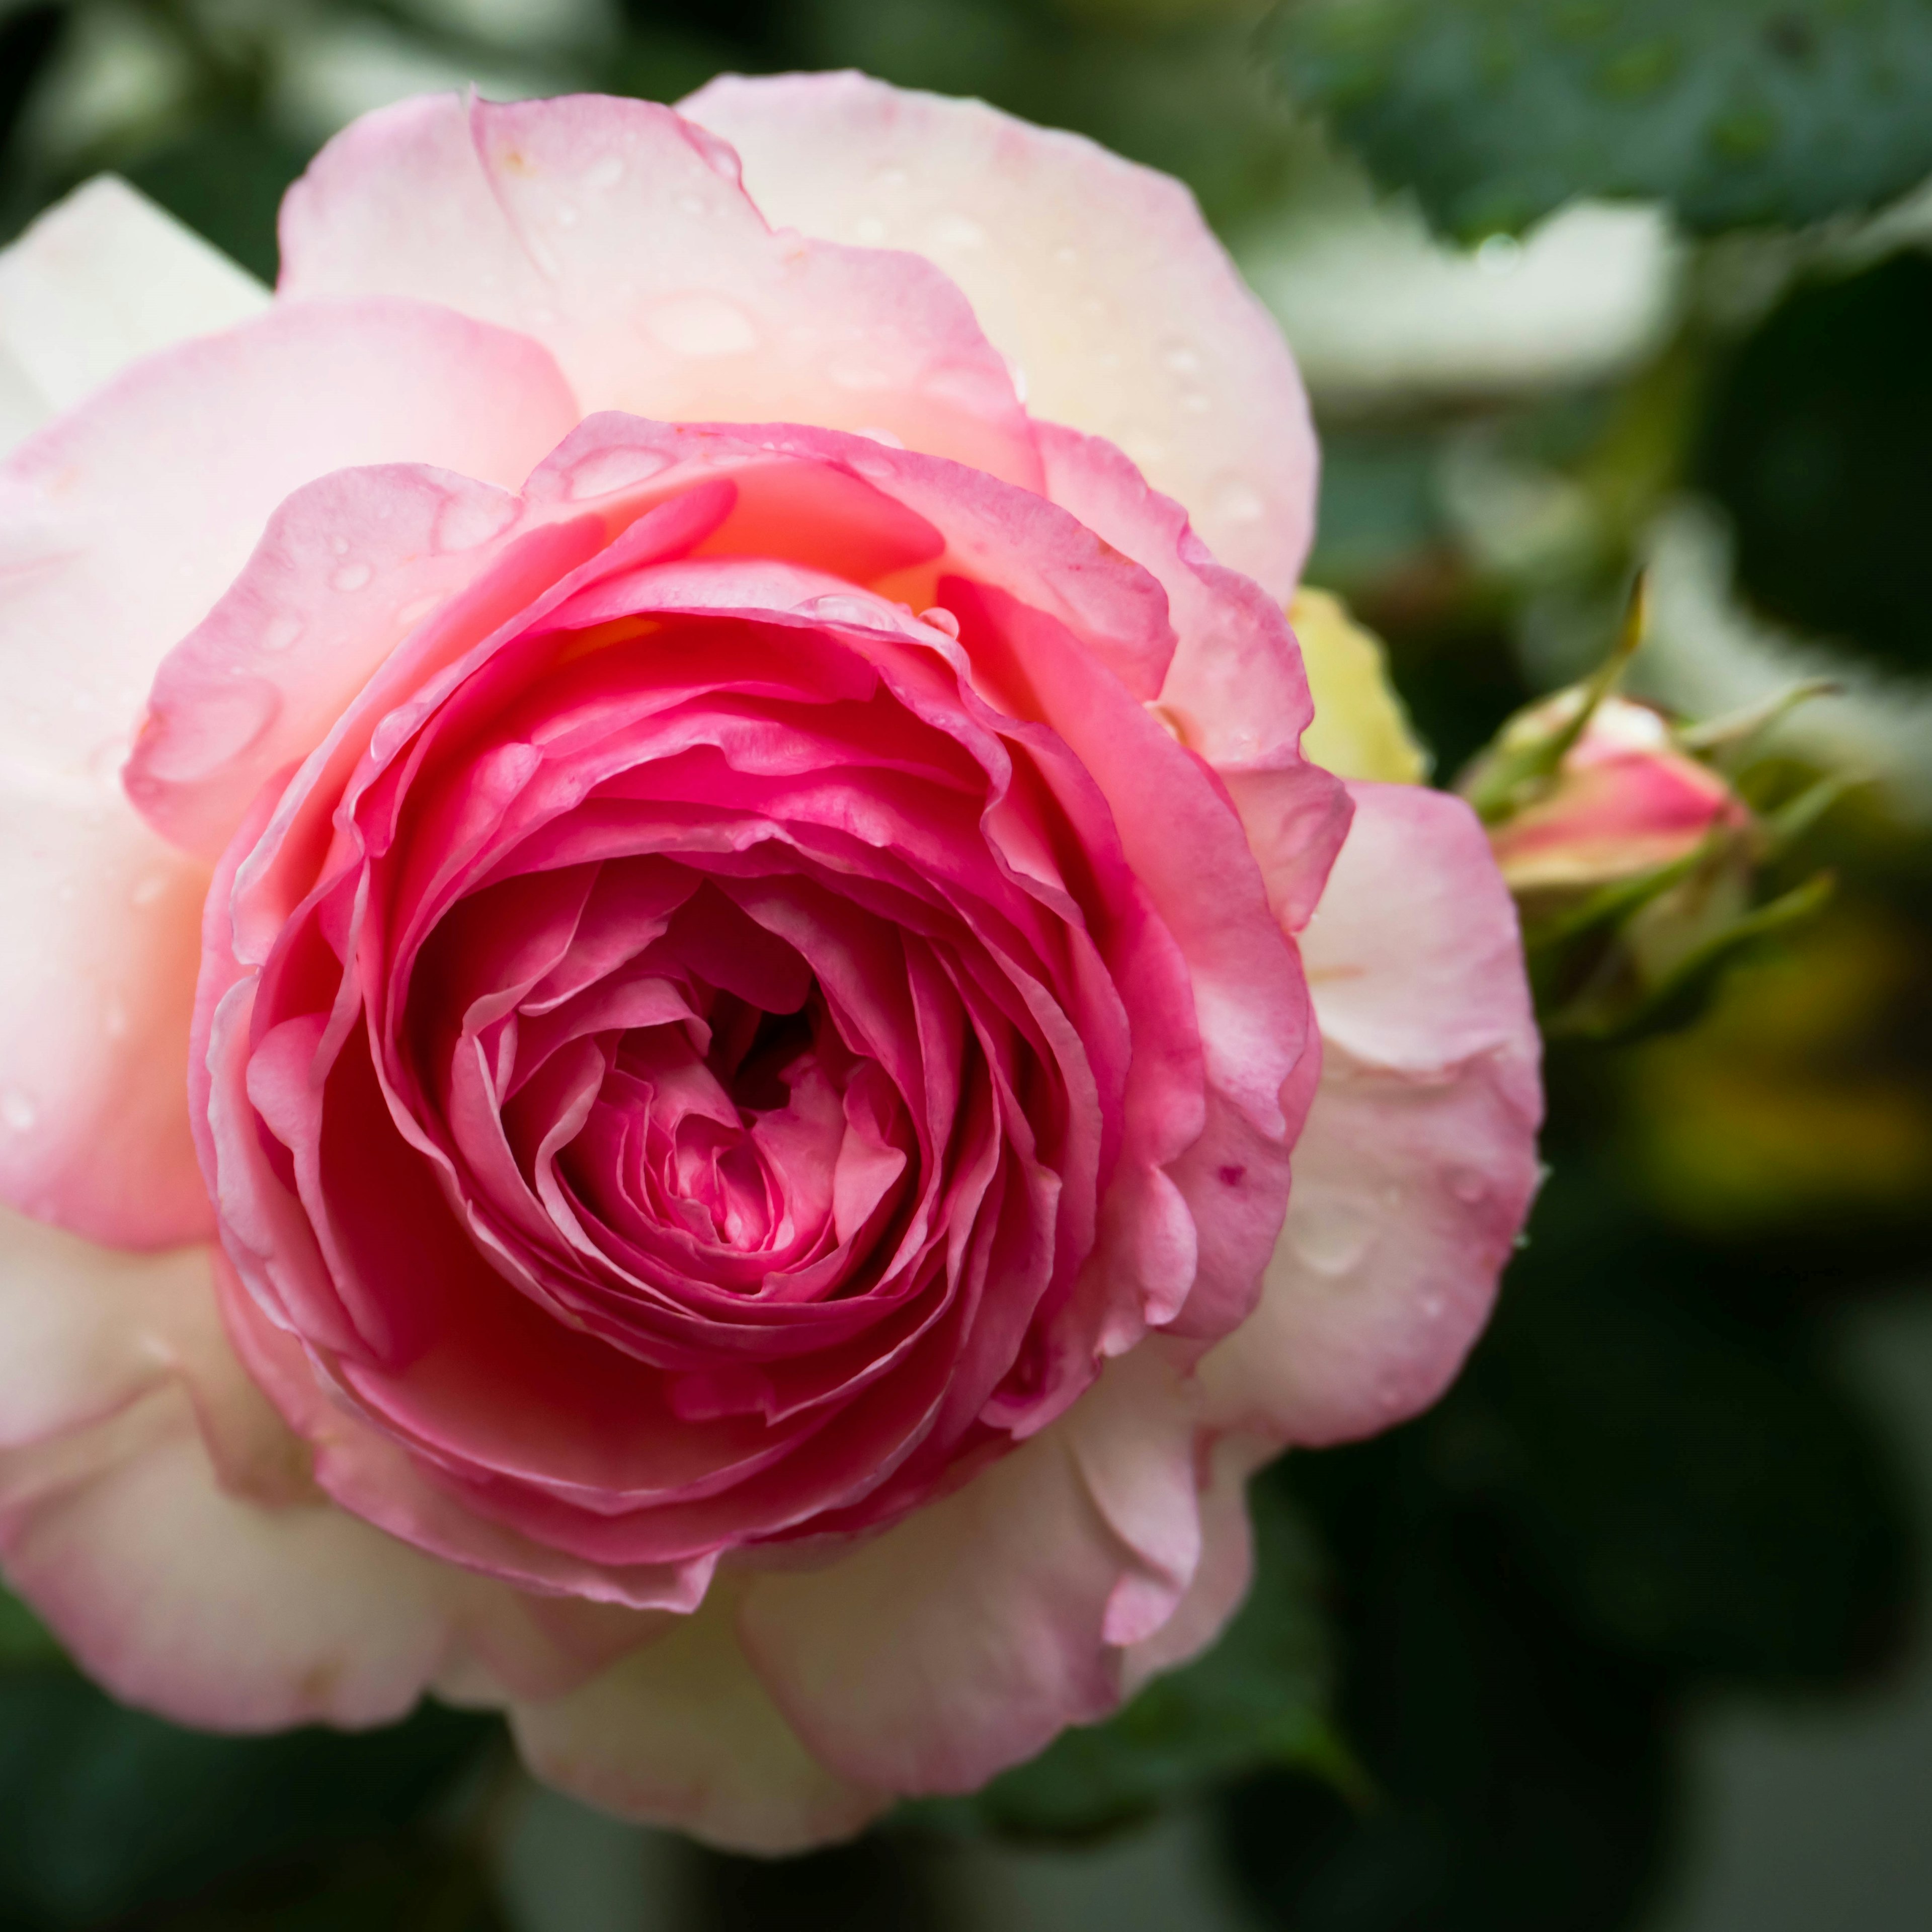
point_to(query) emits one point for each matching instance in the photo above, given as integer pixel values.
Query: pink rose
(656, 1084)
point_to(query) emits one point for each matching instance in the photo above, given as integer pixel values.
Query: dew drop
(617, 468)
(1235, 502)
(1196, 402)
(869, 229)
(693, 204)
(1330, 1240)
(956, 231)
(1468, 1185)
(339, 545)
(605, 174)
(702, 326)
(149, 889)
(1498, 254)
(1182, 358)
(280, 632)
(114, 1019)
(17, 1111)
(941, 619)
(859, 372)
(1066, 254)
(566, 215)
(351, 576)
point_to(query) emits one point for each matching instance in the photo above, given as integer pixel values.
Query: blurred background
(1630, 1631)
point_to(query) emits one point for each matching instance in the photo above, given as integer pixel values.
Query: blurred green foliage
(1733, 112)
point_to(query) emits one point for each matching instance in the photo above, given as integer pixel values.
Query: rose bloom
(666, 957)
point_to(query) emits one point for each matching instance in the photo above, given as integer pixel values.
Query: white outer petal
(102, 277)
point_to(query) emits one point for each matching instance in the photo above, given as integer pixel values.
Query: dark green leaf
(1735, 112)
(24, 1639)
(226, 181)
(103, 1809)
(1815, 444)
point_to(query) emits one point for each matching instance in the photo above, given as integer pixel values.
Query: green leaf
(24, 1639)
(104, 1810)
(1736, 113)
(1257, 1700)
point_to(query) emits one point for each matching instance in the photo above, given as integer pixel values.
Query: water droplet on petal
(114, 1020)
(472, 516)
(702, 326)
(693, 204)
(351, 576)
(941, 619)
(1468, 1185)
(1236, 502)
(566, 215)
(869, 229)
(279, 633)
(603, 472)
(1066, 254)
(149, 889)
(956, 231)
(1330, 1239)
(1182, 358)
(605, 174)
(17, 1111)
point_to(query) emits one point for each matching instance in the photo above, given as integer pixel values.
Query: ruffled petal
(158, 1513)
(963, 1640)
(101, 279)
(124, 520)
(1417, 1164)
(682, 1733)
(119, 524)
(618, 235)
(1098, 278)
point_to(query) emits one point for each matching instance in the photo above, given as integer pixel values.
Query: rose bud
(1632, 856)
(687, 1048)
(1622, 801)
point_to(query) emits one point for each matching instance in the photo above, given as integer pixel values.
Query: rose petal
(101, 278)
(1098, 278)
(119, 524)
(124, 520)
(1418, 1161)
(683, 1734)
(98, 954)
(154, 1510)
(961, 1641)
(617, 234)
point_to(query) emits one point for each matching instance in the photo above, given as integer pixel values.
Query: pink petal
(125, 519)
(1235, 691)
(964, 1638)
(1222, 1575)
(683, 1734)
(1098, 278)
(1416, 1168)
(155, 1512)
(104, 277)
(617, 235)
(98, 953)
